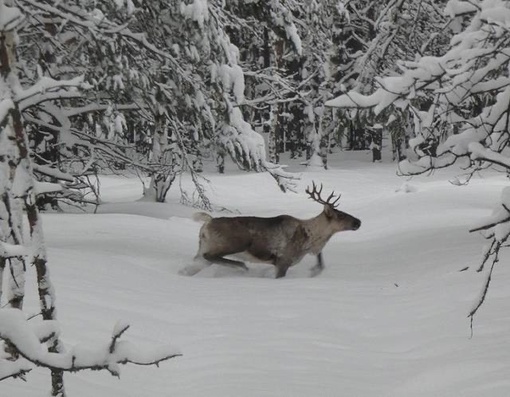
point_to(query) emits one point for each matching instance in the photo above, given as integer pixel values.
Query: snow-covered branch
(499, 220)
(10, 17)
(13, 250)
(15, 330)
(286, 180)
(5, 107)
(54, 173)
(492, 222)
(14, 369)
(47, 89)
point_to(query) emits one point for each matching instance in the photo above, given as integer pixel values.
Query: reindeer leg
(319, 267)
(199, 264)
(225, 262)
(282, 266)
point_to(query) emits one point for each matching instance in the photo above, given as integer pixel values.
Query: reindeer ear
(329, 211)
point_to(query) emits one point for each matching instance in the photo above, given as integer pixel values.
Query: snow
(39, 92)
(47, 187)
(9, 17)
(293, 36)
(387, 317)
(6, 105)
(11, 250)
(456, 7)
(127, 4)
(232, 78)
(498, 15)
(11, 368)
(198, 11)
(478, 151)
(355, 99)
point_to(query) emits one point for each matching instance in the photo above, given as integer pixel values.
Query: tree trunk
(11, 213)
(325, 138)
(319, 142)
(45, 287)
(2, 268)
(20, 167)
(164, 173)
(276, 131)
(11, 232)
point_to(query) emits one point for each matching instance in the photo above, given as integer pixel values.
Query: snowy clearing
(387, 317)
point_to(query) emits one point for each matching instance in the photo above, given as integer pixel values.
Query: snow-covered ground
(387, 317)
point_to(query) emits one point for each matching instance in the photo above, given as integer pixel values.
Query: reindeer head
(339, 220)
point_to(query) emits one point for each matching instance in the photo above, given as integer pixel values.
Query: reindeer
(282, 240)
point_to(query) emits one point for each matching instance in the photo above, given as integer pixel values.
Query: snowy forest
(185, 105)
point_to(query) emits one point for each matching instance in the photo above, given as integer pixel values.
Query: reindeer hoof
(192, 269)
(316, 270)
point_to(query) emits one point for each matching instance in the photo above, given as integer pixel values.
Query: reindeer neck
(319, 232)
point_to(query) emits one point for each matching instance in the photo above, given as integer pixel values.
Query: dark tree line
(169, 85)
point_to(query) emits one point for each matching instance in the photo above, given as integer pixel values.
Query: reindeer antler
(315, 195)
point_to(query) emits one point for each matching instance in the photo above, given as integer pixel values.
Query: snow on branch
(53, 172)
(426, 164)
(247, 149)
(15, 330)
(479, 152)
(496, 219)
(285, 180)
(198, 11)
(283, 18)
(10, 17)
(456, 8)
(5, 107)
(14, 369)
(71, 16)
(47, 187)
(475, 65)
(416, 76)
(48, 89)
(455, 75)
(97, 22)
(500, 216)
(281, 90)
(354, 99)
(13, 250)
(459, 103)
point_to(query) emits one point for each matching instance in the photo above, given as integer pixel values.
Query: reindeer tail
(201, 217)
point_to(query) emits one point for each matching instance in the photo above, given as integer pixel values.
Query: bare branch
(117, 334)
(494, 223)
(485, 289)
